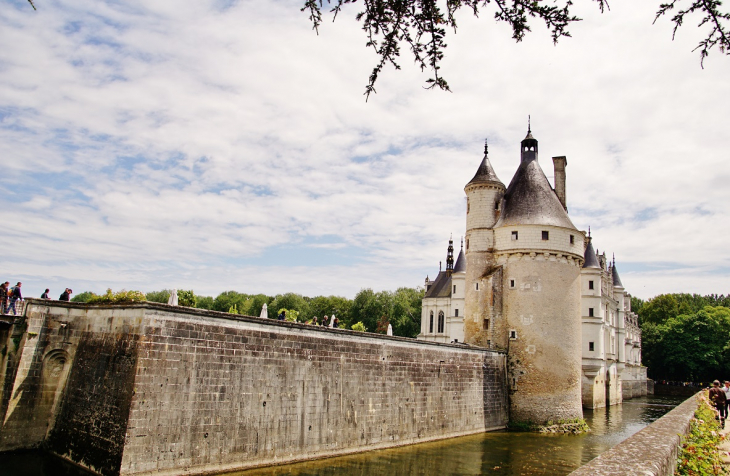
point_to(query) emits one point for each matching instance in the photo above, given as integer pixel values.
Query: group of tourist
(720, 397)
(333, 321)
(9, 297)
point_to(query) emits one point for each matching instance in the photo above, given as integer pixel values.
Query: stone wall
(650, 452)
(153, 388)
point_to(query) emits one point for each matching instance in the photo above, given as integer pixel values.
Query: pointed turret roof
(589, 258)
(460, 265)
(485, 172)
(529, 199)
(614, 274)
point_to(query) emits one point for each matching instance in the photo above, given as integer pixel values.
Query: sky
(224, 145)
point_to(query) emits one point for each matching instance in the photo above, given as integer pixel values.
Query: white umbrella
(264, 312)
(390, 330)
(332, 321)
(172, 300)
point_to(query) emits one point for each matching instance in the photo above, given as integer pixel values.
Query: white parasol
(390, 330)
(332, 321)
(264, 312)
(172, 300)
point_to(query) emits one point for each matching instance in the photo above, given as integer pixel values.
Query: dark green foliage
(255, 303)
(402, 309)
(227, 299)
(186, 298)
(689, 347)
(204, 302)
(291, 301)
(327, 306)
(159, 296)
(122, 296)
(82, 297)
(660, 308)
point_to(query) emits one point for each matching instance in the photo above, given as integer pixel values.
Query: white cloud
(153, 145)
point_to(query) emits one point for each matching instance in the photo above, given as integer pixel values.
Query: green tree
(227, 299)
(158, 296)
(658, 309)
(327, 306)
(83, 297)
(186, 298)
(420, 26)
(204, 302)
(689, 347)
(257, 302)
(406, 311)
(293, 301)
(368, 306)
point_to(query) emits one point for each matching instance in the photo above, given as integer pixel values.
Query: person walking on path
(66, 295)
(15, 296)
(4, 297)
(726, 389)
(45, 294)
(717, 397)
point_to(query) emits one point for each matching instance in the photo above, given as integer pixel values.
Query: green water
(497, 453)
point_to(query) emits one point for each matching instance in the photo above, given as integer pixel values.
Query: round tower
(483, 206)
(541, 253)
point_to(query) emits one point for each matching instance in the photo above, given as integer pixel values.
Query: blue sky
(225, 145)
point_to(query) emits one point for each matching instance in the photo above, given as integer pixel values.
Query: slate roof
(485, 173)
(589, 259)
(441, 286)
(460, 265)
(614, 276)
(529, 199)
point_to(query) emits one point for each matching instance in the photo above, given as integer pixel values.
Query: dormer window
(514, 236)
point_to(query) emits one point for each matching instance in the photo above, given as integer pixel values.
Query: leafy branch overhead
(420, 26)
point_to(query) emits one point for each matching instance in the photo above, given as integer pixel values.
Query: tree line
(685, 337)
(369, 310)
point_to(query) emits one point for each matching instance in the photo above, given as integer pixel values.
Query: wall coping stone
(192, 311)
(650, 452)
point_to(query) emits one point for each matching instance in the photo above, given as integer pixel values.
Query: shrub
(359, 326)
(699, 455)
(121, 296)
(186, 298)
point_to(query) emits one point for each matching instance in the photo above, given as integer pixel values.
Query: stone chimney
(559, 163)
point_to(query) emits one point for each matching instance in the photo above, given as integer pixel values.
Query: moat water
(498, 453)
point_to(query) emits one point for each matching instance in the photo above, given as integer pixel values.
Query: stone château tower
(523, 285)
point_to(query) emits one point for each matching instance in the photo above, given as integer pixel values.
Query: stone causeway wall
(149, 388)
(650, 452)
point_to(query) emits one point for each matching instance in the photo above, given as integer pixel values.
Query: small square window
(486, 324)
(512, 283)
(545, 235)
(456, 312)
(514, 236)
(512, 334)
(454, 288)
(591, 346)
(590, 312)
(572, 239)
(590, 284)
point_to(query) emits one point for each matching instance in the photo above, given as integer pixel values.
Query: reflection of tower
(483, 195)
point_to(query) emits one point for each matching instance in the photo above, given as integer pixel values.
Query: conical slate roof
(614, 276)
(589, 258)
(485, 172)
(460, 265)
(530, 200)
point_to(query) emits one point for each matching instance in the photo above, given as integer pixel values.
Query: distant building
(529, 282)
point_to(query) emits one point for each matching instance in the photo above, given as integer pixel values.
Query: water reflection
(497, 453)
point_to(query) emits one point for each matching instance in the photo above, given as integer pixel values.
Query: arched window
(441, 322)
(430, 324)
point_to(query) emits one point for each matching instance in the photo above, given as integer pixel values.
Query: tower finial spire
(589, 232)
(528, 124)
(486, 147)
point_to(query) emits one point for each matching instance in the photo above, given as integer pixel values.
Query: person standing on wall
(717, 397)
(4, 297)
(45, 294)
(66, 295)
(15, 296)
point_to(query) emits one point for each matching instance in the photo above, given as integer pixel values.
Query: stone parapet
(650, 452)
